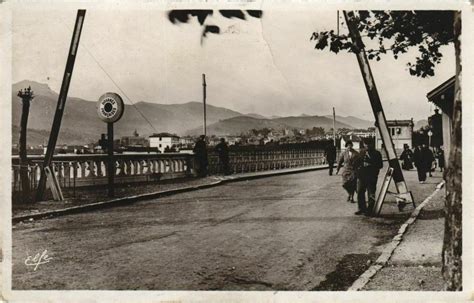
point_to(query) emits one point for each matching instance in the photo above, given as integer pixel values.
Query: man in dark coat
(200, 152)
(423, 161)
(420, 165)
(222, 149)
(369, 164)
(330, 153)
(440, 156)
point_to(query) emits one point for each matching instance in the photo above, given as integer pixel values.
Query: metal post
(334, 125)
(204, 101)
(110, 158)
(403, 194)
(53, 137)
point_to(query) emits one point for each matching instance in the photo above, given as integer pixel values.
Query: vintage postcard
(236, 151)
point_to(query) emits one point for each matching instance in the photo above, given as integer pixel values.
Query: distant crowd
(423, 158)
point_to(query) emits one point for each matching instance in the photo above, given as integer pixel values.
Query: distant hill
(420, 124)
(353, 121)
(308, 122)
(238, 125)
(81, 125)
(253, 115)
(80, 121)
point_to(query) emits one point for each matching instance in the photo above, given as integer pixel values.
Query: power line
(119, 88)
(113, 81)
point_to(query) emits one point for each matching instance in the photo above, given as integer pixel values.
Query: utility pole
(26, 96)
(53, 136)
(334, 125)
(403, 194)
(110, 159)
(204, 101)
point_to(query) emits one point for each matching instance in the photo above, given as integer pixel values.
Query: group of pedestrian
(423, 159)
(360, 174)
(361, 169)
(201, 154)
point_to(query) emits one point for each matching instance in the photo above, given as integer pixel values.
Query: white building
(401, 132)
(163, 141)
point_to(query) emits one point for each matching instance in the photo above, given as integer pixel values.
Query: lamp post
(110, 108)
(26, 96)
(430, 133)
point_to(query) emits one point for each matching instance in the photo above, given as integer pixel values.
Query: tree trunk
(25, 180)
(452, 246)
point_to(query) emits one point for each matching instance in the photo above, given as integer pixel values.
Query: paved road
(292, 232)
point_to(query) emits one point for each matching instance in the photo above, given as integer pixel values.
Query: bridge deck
(289, 232)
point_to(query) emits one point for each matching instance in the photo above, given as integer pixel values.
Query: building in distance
(401, 132)
(165, 142)
(134, 141)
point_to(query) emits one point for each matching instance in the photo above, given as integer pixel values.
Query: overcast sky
(265, 66)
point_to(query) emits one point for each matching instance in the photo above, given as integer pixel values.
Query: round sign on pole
(430, 133)
(110, 107)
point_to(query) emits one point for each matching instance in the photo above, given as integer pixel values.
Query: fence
(262, 160)
(91, 170)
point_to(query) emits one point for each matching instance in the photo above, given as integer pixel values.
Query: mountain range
(81, 124)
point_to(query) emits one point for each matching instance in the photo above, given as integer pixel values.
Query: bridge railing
(90, 170)
(263, 160)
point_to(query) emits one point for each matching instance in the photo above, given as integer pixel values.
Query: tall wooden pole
(204, 101)
(26, 96)
(53, 137)
(334, 125)
(400, 184)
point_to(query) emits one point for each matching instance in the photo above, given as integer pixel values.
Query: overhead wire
(113, 81)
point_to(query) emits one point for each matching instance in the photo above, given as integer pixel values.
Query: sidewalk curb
(153, 195)
(390, 247)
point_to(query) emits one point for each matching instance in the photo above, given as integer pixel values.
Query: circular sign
(430, 133)
(110, 107)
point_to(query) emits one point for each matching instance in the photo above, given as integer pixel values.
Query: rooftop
(164, 135)
(443, 95)
(400, 122)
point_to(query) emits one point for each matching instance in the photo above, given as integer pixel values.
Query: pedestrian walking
(330, 154)
(222, 150)
(440, 156)
(349, 179)
(200, 152)
(369, 162)
(423, 158)
(427, 154)
(406, 157)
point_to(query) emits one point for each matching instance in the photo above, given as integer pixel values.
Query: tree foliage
(394, 32)
(184, 16)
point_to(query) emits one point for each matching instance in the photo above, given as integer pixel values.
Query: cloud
(266, 66)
